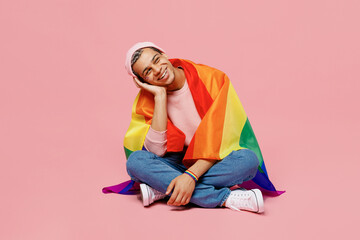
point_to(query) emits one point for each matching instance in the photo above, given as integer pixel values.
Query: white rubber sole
(259, 199)
(145, 194)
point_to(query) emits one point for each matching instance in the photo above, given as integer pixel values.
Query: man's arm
(156, 137)
(159, 120)
(202, 166)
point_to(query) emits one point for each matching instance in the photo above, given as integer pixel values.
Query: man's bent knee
(249, 160)
(137, 161)
(252, 161)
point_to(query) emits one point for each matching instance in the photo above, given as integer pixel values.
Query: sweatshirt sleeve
(156, 142)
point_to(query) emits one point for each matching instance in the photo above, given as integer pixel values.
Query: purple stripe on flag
(127, 188)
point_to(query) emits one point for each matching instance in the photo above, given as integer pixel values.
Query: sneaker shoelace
(157, 195)
(242, 199)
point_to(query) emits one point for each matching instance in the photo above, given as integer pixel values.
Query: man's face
(154, 68)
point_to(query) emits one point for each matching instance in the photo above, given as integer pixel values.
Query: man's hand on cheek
(155, 90)
(183, 186)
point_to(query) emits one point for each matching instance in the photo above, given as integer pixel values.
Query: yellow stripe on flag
(235, 118)
(135, 135)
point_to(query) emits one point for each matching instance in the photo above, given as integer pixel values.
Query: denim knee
(248, 159)
(136, 162)
(252, 161)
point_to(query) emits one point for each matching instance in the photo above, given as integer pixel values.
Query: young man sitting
(187, 138)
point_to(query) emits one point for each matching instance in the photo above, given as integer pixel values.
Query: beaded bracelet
(193, 175)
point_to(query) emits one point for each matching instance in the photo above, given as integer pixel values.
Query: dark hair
(136, 56)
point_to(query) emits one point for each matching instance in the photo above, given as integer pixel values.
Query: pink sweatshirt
(182, 113)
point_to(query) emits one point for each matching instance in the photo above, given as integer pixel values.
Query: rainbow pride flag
(224, 126)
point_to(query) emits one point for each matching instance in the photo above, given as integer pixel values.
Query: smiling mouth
(163, 75)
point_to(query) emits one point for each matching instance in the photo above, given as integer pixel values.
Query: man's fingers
(137, 82)
(172, 198)
(184, 200)
(170, 187)
(187, 198)
(178, 200)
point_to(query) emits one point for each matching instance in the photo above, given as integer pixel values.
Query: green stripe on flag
(127, 152)
(248, 140)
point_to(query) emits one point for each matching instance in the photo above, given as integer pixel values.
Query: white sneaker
(249, 200)
(150, 195)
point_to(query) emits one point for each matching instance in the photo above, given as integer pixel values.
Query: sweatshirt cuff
(156, 136)
(156, 142)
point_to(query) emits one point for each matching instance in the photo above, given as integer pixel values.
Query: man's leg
(158, 172)
(239, 166)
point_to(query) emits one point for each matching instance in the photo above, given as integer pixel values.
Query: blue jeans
(213, 187)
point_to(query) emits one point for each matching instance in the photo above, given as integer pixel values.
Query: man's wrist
(160, 93)
(192, 175)
(201, 166)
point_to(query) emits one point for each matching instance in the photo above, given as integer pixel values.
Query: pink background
(65, 102)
